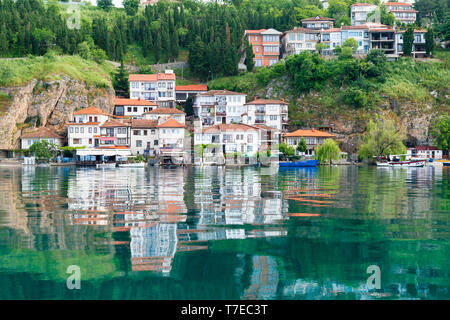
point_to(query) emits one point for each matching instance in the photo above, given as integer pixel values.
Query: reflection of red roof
(133, 102)
(171, 123)
(309, 133)
(89, 110)
(151, 77)
(192, 87)
(40, 133)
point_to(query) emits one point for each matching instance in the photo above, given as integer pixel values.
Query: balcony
(260, 121)
(260, 110)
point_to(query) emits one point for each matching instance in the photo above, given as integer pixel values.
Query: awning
(104, 152)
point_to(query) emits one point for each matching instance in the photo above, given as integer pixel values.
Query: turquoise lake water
(225, 233)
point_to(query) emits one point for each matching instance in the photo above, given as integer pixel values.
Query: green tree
(249, 56)
(44, 150)
(321, 46)
(301, 146)
(441, 133)
(131, 7)
(120, 81)
(105, 4)
(286, 150)
(408, 40)
(188, 107)
(328, 151)
(429, 42)
(346, 53)
(351, 43)
(306, 71)
(382, 137)
(83, 50)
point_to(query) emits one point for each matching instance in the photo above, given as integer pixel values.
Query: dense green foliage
(302, 147)
(441, 133)
(249, 55)
(408, 40)
(328, 151)
(286, 150)
(120, 82)
(382, 137)
(44, 150)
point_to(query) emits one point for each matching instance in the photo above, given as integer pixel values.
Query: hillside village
(152, 122)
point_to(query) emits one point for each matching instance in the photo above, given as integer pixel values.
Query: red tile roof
(144, 123)
(267, 101)
(165, 111)
(230, 127)
(90, 110)
(254, 31)
(171, 123)
(41, 132)
(309, 133)
(133, 102)
(115, 124)
(83, 123)
(192, 87)
(151, 77)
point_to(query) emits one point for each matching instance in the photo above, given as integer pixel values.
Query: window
(90, 141)
(272, 61)
(77, 129)
(129, 109)
(256, 38)
(271, 49)
(155, 142)
(95, 129)
(71, 129)
(29, 142)
(90, 119)
(169, 85)
(291, 36)
(90, 129)
(249, 148)
(145, 132)
(153, 131)
(250, 138)
(137, 132)
(135, 94)
(76, 141)
(273, 117)
(134, 109)
(258, 63)
(81, 130)
(138, 143)
(95, 119)
(300, 36)
(270, 39)
(256, 49)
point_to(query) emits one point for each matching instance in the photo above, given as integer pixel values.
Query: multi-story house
(182, 93)
(115, 133)
(159, 88)
(171, 141)
(332, 38)
(382, 37)
(359, 12)
(219, 106)
(318, 23)
(313, 138)
(418, 49)
(403, 12)
(266, 46)
(360, 33)
(272, 113)
(223, 139)
(39, 135)
(133, 108)
(298, 40)
(144, 137)
(163, 114)
(84, 129)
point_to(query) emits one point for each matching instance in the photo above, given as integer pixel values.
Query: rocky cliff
(47, 103)
(348, 123)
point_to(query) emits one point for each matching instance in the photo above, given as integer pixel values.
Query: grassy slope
(19, 71)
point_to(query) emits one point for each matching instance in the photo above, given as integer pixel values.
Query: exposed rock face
(48, 104)
(348, 123)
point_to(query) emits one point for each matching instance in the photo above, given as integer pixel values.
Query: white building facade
(159, 88)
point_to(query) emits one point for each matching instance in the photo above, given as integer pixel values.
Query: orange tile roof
(362, 4)
(151, 77)
(397, 4)
(192, 87)
(165, 111)
(220, 92)
(144, 123)
(90, 110)
(115, 124)
(83, 124)
(133, 102)
(41, 132)
(267, 101)
(254, 31)
(171, 123)
(309, 133)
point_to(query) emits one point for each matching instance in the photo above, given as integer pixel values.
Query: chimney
(282, 99)
(255, 97)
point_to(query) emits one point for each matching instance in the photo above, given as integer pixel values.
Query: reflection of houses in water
(236, 197)
(153, 247)
(264, 279)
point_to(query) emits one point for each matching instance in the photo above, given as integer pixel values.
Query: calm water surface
(225, 233)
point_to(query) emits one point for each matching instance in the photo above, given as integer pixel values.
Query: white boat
(393, 161)
(105, 165)
(132, 165)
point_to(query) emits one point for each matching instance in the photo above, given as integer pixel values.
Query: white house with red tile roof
(219, 106)
(359, 12)
(163, 114)
(39, 135)
(318, 23)
(159, 87)
(402, 11)
(115, 132)
(171, 140)
(133, 108)
(144, 137)
(269, 112)
(184, 92)
(84, 129)
(313, 138)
